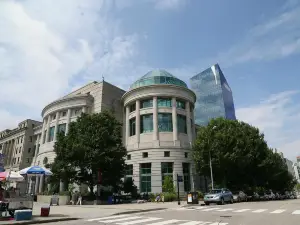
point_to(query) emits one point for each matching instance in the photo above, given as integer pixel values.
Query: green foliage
(170, 197)
(93, 143)
(297, 187)
(168, 185)
(240, 157)
(200, 195)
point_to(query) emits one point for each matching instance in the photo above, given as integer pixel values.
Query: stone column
(127, 125)
(68, 120)
(36, 188)
(43, 131)
(188, 122)
(136, 175)
(155, 119)
(48, 128)
(36, 148)
(41, 185)
(156, 179)
(84, 109)
(174, 120)
(56, 126)
(137, 121)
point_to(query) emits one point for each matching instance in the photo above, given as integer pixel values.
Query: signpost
(179, 179)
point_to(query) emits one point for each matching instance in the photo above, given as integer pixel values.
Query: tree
(92, 146)
(129, 187)
(168, 185)
(240, 156)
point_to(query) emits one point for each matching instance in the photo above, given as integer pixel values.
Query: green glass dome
(157, 77)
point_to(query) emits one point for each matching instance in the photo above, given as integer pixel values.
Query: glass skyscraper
(214, 96)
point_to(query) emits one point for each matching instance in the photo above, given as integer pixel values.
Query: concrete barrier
(63, 200)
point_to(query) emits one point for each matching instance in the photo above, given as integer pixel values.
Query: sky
(47, 51)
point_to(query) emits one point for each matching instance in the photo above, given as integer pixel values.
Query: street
(249, 213)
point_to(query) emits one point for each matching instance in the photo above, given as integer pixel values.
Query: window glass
(164, 102)
(62, 128)
(166, 170)
(145, 177)
(147, 123)
(132, 107)
(51, 133)
(180, 104)
(186, 176)
(129, 170)
(132, 126)
(181, 124)
(165, 123)
(147, 103)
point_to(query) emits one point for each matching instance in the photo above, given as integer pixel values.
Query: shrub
(168, 185)
(200, 194)
(170, 197)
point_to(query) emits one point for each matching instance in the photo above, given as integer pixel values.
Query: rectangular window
(64, 114)
(147, 103)
(27, 160)
(30, 138)
(164, 102)
(128, 157)
(145, 176)
(166, 170)
(180, 104)
(181, 124)
(18, 159)
(132, 126)
(167, 154)
(51, 133)
(185, 155)
(145, 154)
(29, 150)
(132, 107)
(129, 170)
(20, 149)
(186, 176)
(62, 128)
(54, 117)
(147, 123)
(165, 123)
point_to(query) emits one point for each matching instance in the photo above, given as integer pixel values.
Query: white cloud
(278, 117)
(275, 38)
(169, 4)
(43, 49)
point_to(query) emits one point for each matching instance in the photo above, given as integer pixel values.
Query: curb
(139, 211)
(40, 221)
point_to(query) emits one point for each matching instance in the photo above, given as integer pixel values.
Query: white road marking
(108, 217)
(296, 212)
(165, 222)
(217, 223)
(259, 210)
(192, 223)
(140, 221)
(278, 211)
(119, 219)
(209, 209)
(200, 207)
(242, 210)
(224, 210)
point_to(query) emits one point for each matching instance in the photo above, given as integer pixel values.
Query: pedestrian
(79, 202)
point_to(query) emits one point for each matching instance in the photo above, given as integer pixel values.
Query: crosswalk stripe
(140, 221)
(200, 207)
(108, 217)
(242, 210)
(165, 222)
(119, 219)
(259, 210)
(193, 223)
(209, 209)
(278, 211)
(224, 210)
(296, 212)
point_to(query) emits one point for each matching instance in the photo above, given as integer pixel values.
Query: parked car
(271, 195)
(219, 196)
(239, 196)
(252, 196)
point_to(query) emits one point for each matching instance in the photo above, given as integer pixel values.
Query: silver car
(219, 196)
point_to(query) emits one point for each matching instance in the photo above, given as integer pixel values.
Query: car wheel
(222, 201)
(206, 203)
(231, 200)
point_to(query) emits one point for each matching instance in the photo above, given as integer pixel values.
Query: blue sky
(46, 52)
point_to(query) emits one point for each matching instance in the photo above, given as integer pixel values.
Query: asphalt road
(285, 212)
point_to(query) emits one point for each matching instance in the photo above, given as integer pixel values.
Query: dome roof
(158, 77)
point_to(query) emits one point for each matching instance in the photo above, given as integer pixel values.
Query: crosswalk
(143, 220)
(236, 210)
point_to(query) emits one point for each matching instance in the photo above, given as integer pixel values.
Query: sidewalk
(91, 211)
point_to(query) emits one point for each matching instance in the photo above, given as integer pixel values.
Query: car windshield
(217, 191)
